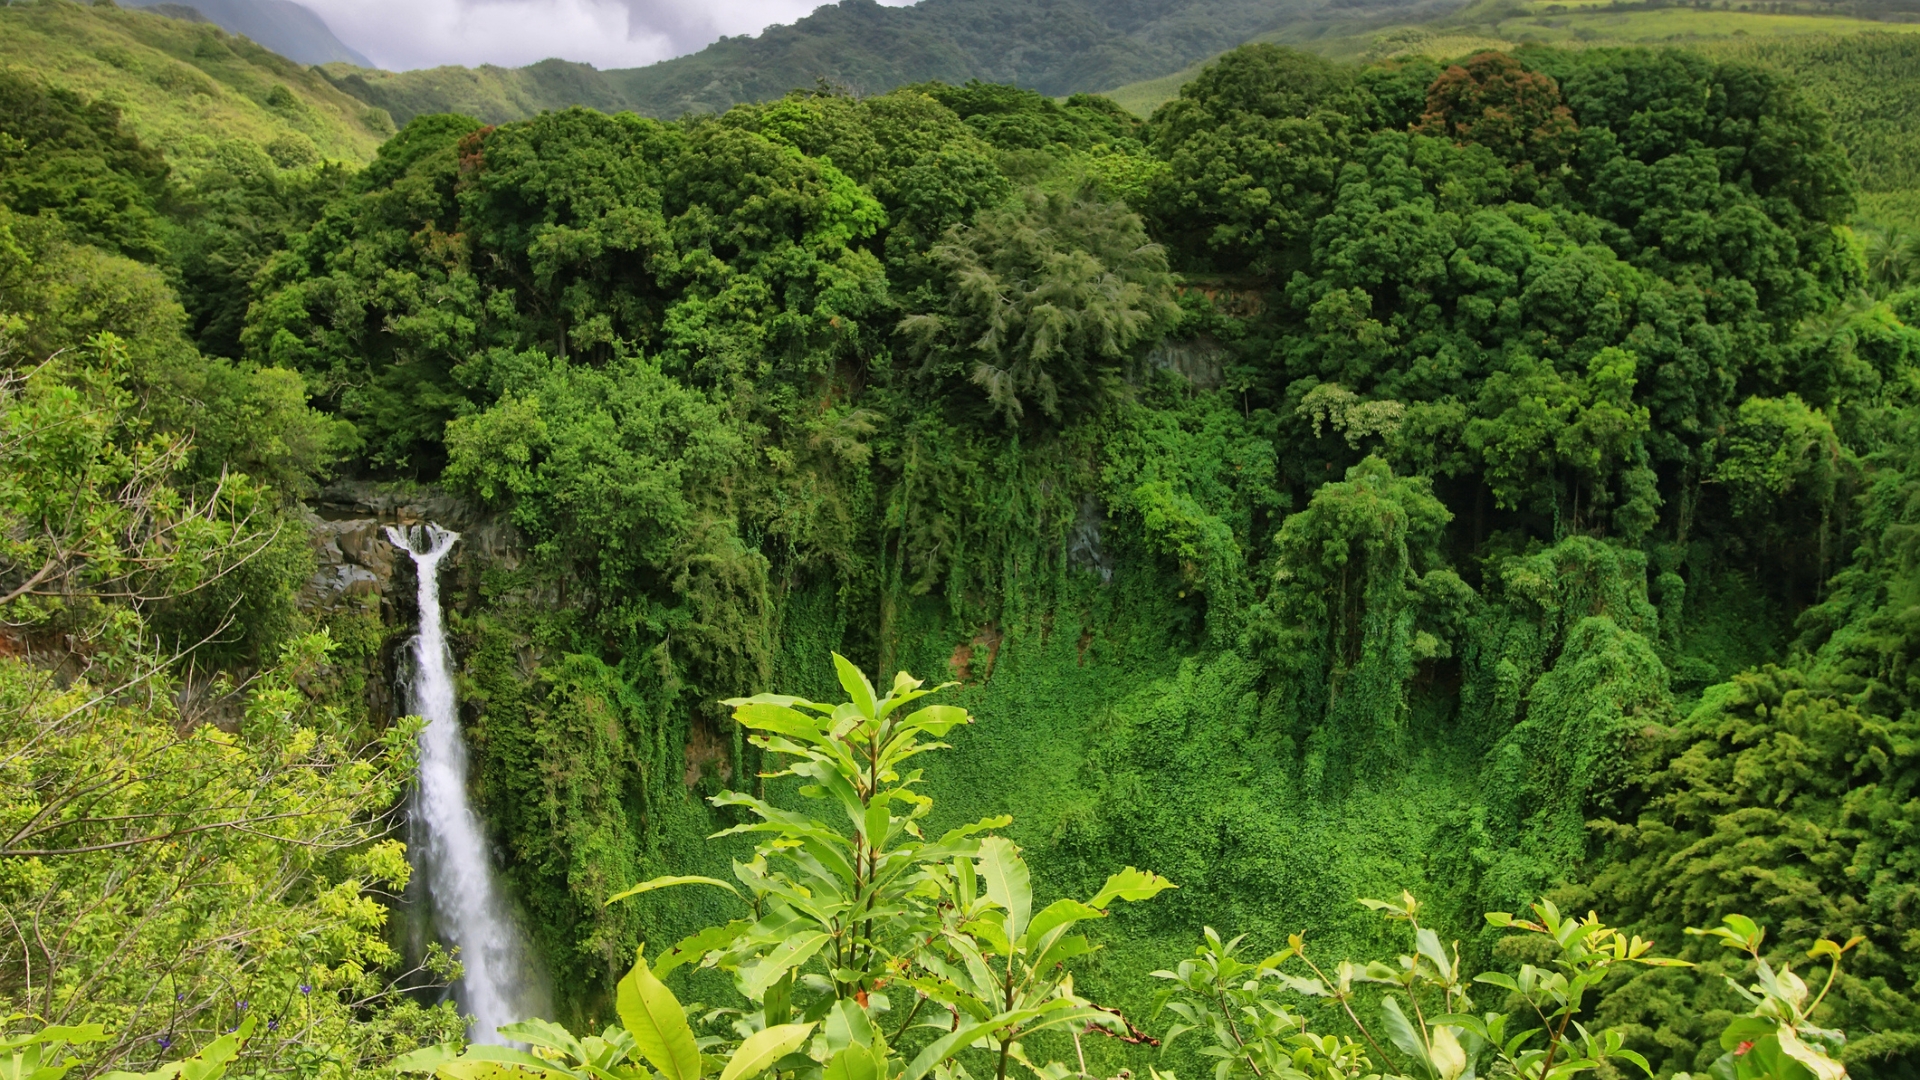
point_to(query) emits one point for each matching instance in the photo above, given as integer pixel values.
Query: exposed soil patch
(706, 755)
(972, 661)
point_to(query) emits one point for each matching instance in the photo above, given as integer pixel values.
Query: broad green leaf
(773, 699)
(475, 1069)
(835, 783)
(985, 985)
(937, 720)
(1064, 947)
(763, 1048)
(507, 1055)
(75, 1034)
(668, 882)
(209, 1064)
(853, 1063)
(1131, 884)
(692, 948)
(1427, 943)
(781, 720)
(966, 882)
(652, 1015)
(848, 1025)
(784, 957)
(1635, 1057)
(1312, 987)
(1746, 1029)
(424, 1060)
(956, 841)
(948, 1045)
(777, 1005)
(1833, 949)
(545, 1033)
(898, 698)
(1401, 1032)
(1817, 1063)
(1449, 1060)
(854, 682)
(1008, 884)
(1058, 914)
(990, 930)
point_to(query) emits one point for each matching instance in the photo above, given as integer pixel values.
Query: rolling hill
(186, 87)
(1055, 46)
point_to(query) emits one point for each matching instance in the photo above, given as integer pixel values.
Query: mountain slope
(187, 87)
(1054, 46)
(493, 94)
(292, 30)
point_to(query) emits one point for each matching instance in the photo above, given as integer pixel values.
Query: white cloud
(403, 34)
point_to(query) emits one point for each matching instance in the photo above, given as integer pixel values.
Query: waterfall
(500, 985)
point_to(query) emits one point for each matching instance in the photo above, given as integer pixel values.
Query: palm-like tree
(1893, 259)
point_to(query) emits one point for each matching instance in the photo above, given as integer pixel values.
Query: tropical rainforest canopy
(1491, 481)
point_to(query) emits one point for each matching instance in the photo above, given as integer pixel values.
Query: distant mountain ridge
(290, 29)
(1053, 46)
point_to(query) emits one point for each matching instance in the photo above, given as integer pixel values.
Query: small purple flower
(165, 1041)
(305, 989)
(243, 1004)
(273, 1024)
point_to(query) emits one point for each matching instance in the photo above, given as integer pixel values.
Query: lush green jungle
(1359, 520)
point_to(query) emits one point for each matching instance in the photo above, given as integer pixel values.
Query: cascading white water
(500, 984)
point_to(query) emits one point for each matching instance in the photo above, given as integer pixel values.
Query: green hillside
(185, 87)
(488, 92)
(1057, 47)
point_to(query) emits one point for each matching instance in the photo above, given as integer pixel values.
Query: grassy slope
(184, 86)
(493, 94)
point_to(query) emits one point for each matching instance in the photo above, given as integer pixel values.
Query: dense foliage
(196, 812)
(1485, 479)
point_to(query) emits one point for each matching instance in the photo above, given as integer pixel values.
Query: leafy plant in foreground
(840, 909)
(54, 1050)
(851, 894)
(1428, 1021)
(1778, 1039)
(1426, 1016)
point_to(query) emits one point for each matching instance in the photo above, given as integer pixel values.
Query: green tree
(1048, 297)
(74, 160)
(1254, 145)
(1493, 100)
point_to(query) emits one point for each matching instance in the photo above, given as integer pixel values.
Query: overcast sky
(403, 34)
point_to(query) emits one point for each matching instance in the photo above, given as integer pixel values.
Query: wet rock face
(355, 560)
(360, 575)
